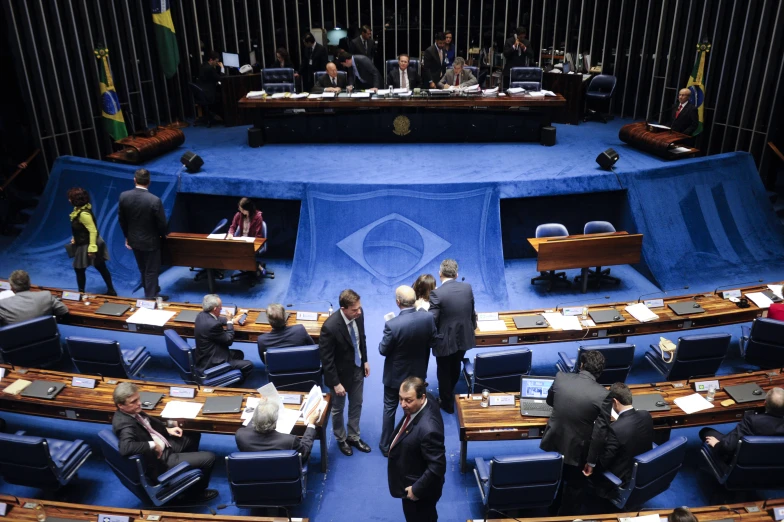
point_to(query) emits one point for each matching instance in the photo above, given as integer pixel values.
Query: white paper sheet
(243, 238)
(760, 299)
(6, 294)
(571, 323)
(491, 326)
(151, 317)
(776, 289)
(328, 95)
(181, 410)
(554, 319)
(250, 406)
(693, 403)
(314, 96)
(644, 518)
(270, 392)
(298, 95)
(286, 420)
(536, 94)
(514, 90)
(641, 312)
(279, 95)
(490, 92)
(255, 94)
(313, 401)
(680, 150)
(217, 236)
(360, 95)
(401, 91)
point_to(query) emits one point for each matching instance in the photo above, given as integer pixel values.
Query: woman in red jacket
(247, 222)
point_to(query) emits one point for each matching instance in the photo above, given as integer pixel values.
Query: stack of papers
(328, 95)
(360, 95)
(558, 321)
(548, 93)
(401, 91)
(693, 403)
(243, 238)
(514, 90)
(181, 410)
(256, 94)
(150, 317)
(296, 96)
(490, 92)
(536, 94)
(492, 326)
(760, 299)
(17, 387)
(314, 401)
(641, 312)
(315, 96)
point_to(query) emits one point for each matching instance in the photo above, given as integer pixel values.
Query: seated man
(403, 77)
(260, 434)
(362, 74)
(25, 304)
(458, 76)
(769, 423)
(281, 336)
(162, 448)
(330, 82)
(684, 117)
(212, 341)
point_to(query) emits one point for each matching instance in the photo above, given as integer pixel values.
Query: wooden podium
(665, 143)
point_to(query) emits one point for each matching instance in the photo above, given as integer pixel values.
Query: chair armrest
(612, 478)
(482, 470)
(657, 350)
(182, 466)
(67, 451)
(135, 353)
(745, 331)
(468, 366)
(566, 361)
(20, 432)
(217, 370)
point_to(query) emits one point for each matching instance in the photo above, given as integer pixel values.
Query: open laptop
(741, 393)
(43, 389)
(529, 321)
(606, 316)
(686, 308)
(533, 396)
(262, 318)
(150, 399)
(222, 405)
(187, 316)
(113, 309)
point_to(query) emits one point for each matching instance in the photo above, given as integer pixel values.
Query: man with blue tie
(343, 352)
(362, 74)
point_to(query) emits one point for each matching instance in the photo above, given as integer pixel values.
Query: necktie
(365, 45)
(402, 430)
(403, 79)
(680, 108)
(357, 355)
(334, 82)
(441, 55)
(154, 434)
(457, 80)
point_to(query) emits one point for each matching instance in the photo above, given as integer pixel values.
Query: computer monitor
(231, 60)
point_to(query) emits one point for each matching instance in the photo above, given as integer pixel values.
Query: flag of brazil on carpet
(168, 53)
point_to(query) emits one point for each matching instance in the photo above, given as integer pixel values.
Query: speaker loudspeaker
(192, 162)
(547, 136)
(607, 159)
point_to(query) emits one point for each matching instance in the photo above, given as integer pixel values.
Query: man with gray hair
(260, 435)
(458, 76)
(452, 306)
(406, 346)
(281, 336)
(212, 341)
(24, 304)
(162, 447)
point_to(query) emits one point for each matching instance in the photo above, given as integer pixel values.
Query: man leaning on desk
(362, 74)
(260, 435)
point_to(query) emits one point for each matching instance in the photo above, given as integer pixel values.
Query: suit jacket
(326, 81)
(337, 351)
(294, 335)
(433, 68)
(418, 457)
(413, 77)
(406, 346)
(467, 79)
(367, 71)
(517, 57)
(627, 437)
(357, 46)
(577, 401)
(248, 439)
(134, 439)
(752, 424)
(256, 228)
(142, 219)
(319, 58)
(452, 306)
(212, 341)
(29, 305)
(209, 77)
(687, 120)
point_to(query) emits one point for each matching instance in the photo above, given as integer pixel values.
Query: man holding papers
(457, 77)
(260, 435)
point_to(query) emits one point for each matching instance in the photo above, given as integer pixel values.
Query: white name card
(72, 296)
(82, 382)
(654, 303)
(701, 386)
(778, 513)
(182, 393)
(307, 316)
(487, 316)
(502, 400)
(572, 310)
(290, 398)
(5, 285)
(141, 303)
(730, 293)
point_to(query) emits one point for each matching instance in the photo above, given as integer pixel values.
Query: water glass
(159, 303)
(485, 398)
(40, 513)
(711, 393)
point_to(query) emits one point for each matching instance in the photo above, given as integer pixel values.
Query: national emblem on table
(402, 125)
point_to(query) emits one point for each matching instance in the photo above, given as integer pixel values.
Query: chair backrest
(96, 356)
(698, 356)
(412, 63)
(181, 354)
(551, 230)
(474, 70)
(776, 311)
(524, 481)
(265, 478)
(758, 463)
(126, 469)
(296, 367)
(263, 249)
(199, 96)
(502, 370)
(273, 88)
(598, 227)
(33, 343)
(220, 226)
(318, 74)
(274, 75)
(529, 78)
(652, 473)
(765, 347)
(26, 461)
(618, 359)
(602, 84)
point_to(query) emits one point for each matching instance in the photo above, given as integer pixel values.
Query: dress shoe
(164, 297)
(111, 292)
(360, 444)
(345, 449)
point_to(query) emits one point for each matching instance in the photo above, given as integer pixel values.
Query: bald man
(330, 82)
(684, 116)
(406, 345)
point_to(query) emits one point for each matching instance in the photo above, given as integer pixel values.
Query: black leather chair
(34, 343)
(281, 79)
(40, 462)
(694, 356)
(618, 360)
(499, 371)
(181, 355)
(266, 478)
(598, 275)
(104, 357)
(550, 230)
(758, 463)
(528, 78)
(201, 99)
(294, 368)
(598, 97)
(763, 344)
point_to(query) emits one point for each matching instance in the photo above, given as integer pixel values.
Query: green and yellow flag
(168, 52)
(110, 103)
(695, 84)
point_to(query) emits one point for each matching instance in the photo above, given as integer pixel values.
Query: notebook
(686, 308)
(187, 316)
(262, 318)
(530, 321)
(606, 316)
(43, 389)
(745, 392)
(648, 402)
(114, 309)
(149, 400)
(223, 405)
(533, 396)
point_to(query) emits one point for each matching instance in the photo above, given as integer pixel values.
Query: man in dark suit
(209, 75)
(684, 117)
(314, 58)
(452, 306)
(417, 457)
(364, 44)
(281, 336)
(362, 74)
(212, 341)
(517, 53)
(143, 223)
(577, 424)
(404, 76)
(770, 423)
(406, 346)
(433, 64)
(260, 435)
(24, 304)
(162, 447)
(344, 361)
(330, 82)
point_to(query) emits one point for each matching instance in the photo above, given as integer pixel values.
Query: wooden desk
(232, 88)
(661, 143)
(83, 512)
(505, 422)
(572, 87)
(586, 250)
(96, 405)
(199, 251)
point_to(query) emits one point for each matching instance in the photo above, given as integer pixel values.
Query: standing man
(362, 74)
(417, 460)
(212, 341)
(364, 44)
(684, 117)
(143, 223)
(344, 361)
(330, 82)
(452, 306)
(314, 58)
(434, 65)
(517, 53)
(457, 76)
(403, 77)
(406, 346)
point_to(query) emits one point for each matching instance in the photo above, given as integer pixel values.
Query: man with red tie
(684, 116)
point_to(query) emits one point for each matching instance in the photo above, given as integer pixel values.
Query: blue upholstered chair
(599, 95)
(652, 473)
(204, 272)
(274, 80)
(763, 343)
(266, 478)
(318, 74)
(499, 371)
(39, 462)
(474, 70)
(201, 99)
(598, 276)
(104, 357)
(618, 359)
(413, 63)
(131, 472)
(529, 78)
(34, 343)
(181, 354)
(758, 463)
(261, 273)
(551, 230)
(519, 482)
(694, 356)
(294, 368)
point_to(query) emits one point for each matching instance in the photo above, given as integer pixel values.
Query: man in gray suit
(25, 304)
(260, 435)
(458, 76)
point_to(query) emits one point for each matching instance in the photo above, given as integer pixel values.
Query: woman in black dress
(89, 247)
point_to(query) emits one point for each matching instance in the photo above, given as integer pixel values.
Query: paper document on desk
(297, 96)
(17, 387)
(401, 91)
(554, 319)
(243, 238)
(217, 236)
(10, 293)
(315, 96)
(536, 94)
(571, 322)
(641, 312)
(470, 88)
(150, 317)
(490, 92)
(328, 95)
(514, 90)
(313, 402)
(255, 94)
(491, 326)
(644, 518)
(760, 299)
(270, 393)
(181, 410)
(776, 289)
(360, 95)
(657, 126)
(693, 403)
(548, 93)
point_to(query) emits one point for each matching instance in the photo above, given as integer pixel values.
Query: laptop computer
(650, 402)
(533, 396)
(43, 389)
(606, 316)
(530, 321)
(187, 316)
(222, 405)
(772, 296)
(262, 318)
(686, 308)
(114, 309)
(150, 400)
(741, 393)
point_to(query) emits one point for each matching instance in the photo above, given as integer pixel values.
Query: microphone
(736, 284)
(561, 305)
(312, 302)
(727, 508)
(662, 112)
(639, 299)
(515, 395)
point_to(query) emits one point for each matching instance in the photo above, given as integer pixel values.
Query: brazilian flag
(696, 85)
(110, 103)
(168, 53)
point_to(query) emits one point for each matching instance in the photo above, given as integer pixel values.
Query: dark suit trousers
(354, 394)
(149, 265)
(186, 449)
(422, 510)
(448, 373)
(238, 362)
(573, 485)
(391, 396)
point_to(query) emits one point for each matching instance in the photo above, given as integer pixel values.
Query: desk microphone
(295, 384)
(639, 299)
(561, 305)
(735, 284)
(312, 302)
(727, 508)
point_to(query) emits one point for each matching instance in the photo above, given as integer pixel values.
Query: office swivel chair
(551, 276)
(599, 94)
(598, 276)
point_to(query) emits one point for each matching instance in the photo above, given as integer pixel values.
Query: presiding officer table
(414, 119)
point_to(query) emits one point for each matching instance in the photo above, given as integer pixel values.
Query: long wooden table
(20, 509)
(495, 423)
(586, 250)
(96, 405)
